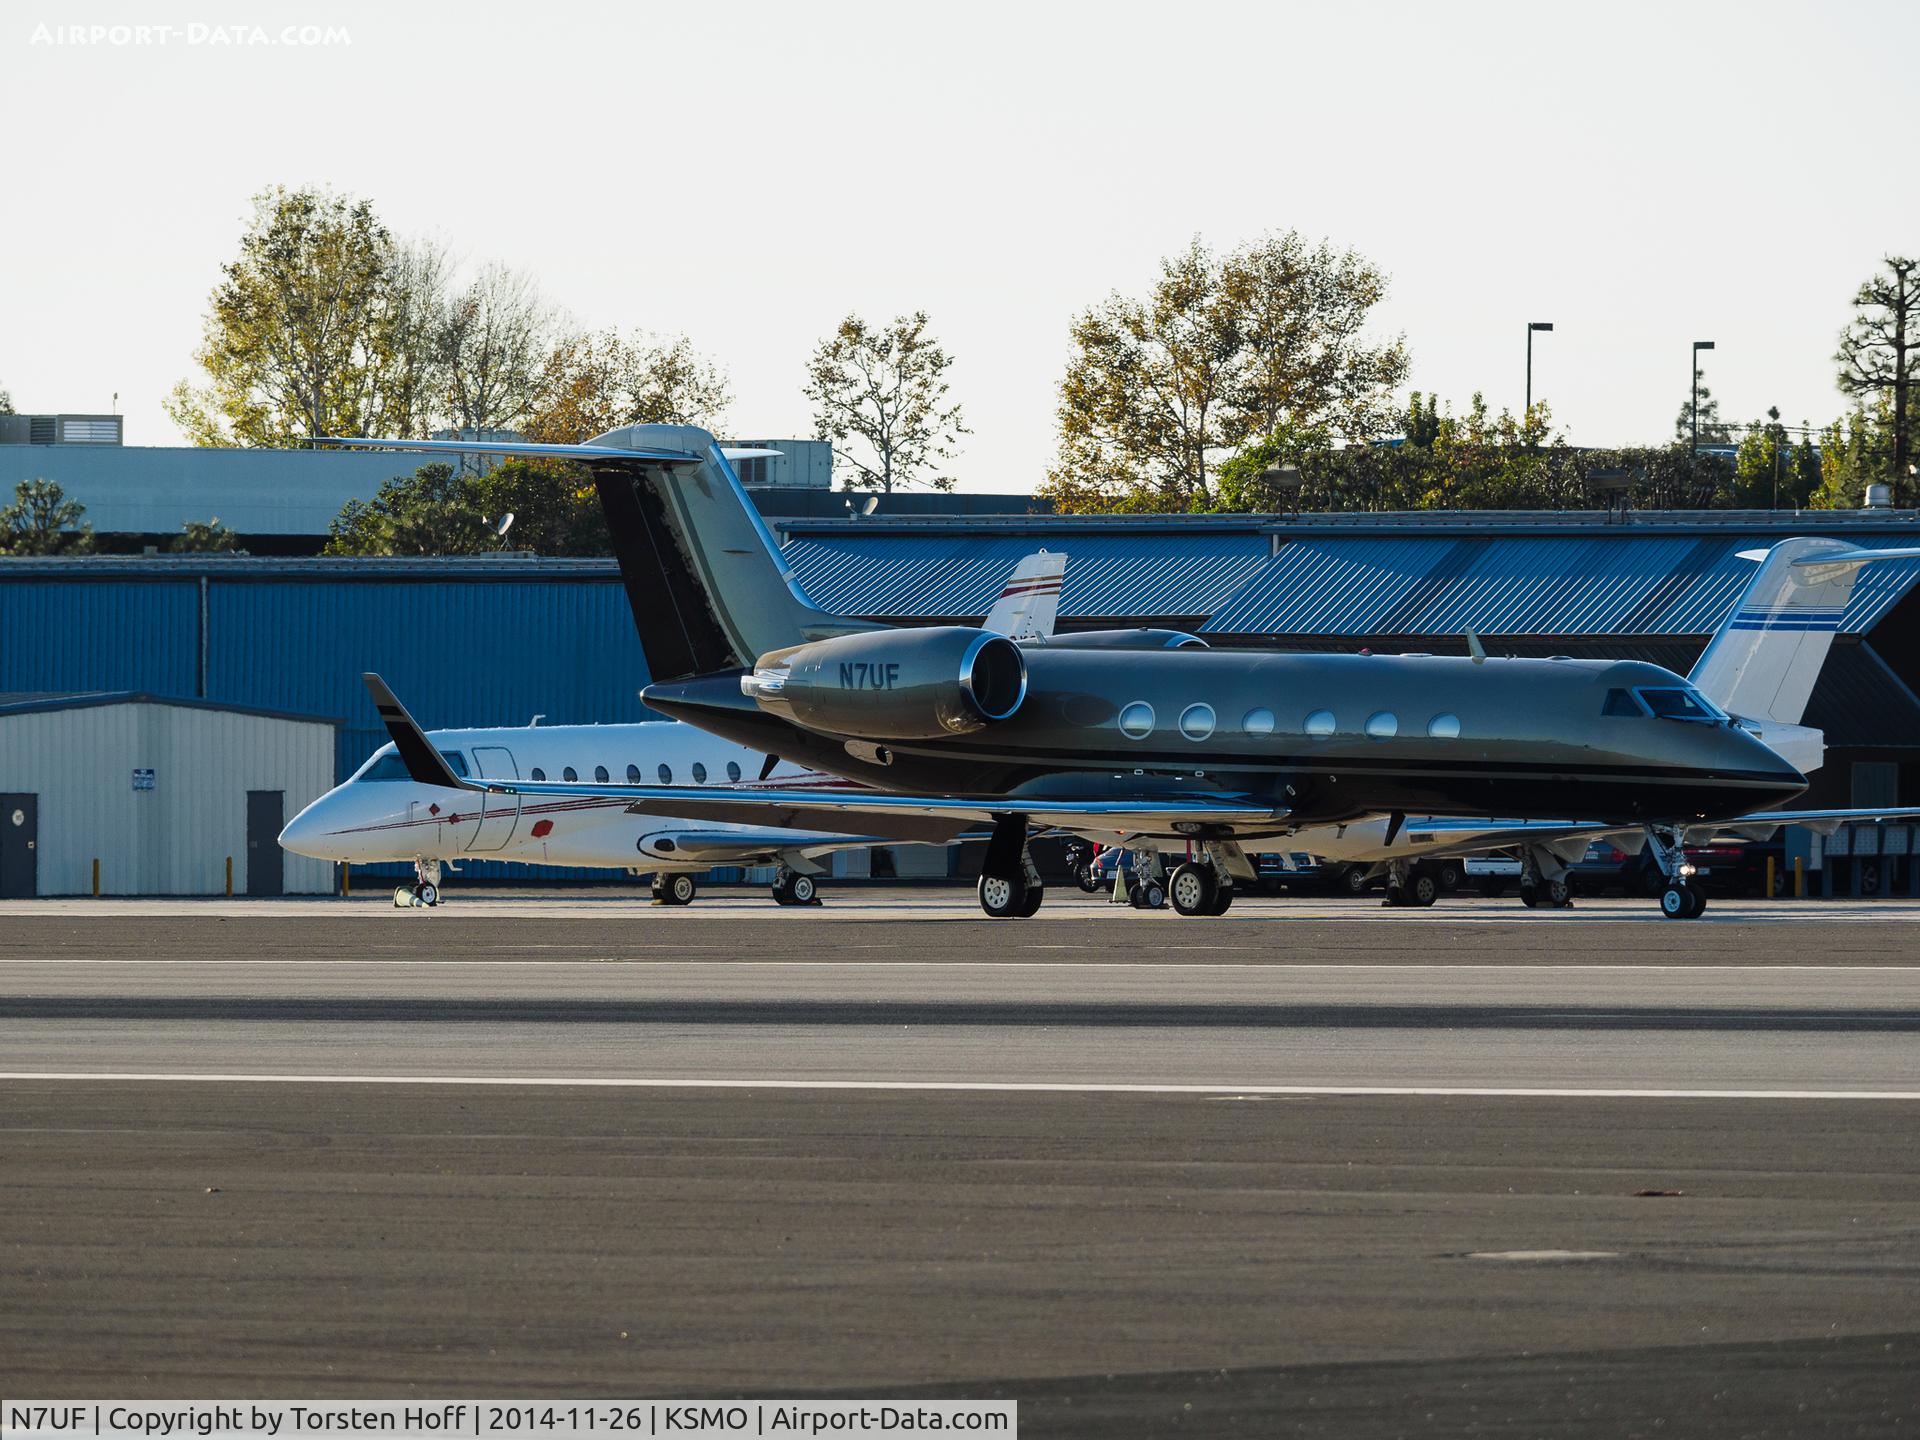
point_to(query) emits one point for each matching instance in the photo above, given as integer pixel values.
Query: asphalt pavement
(1282, 1172)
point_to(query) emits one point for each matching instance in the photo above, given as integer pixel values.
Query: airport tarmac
(1310, 1167)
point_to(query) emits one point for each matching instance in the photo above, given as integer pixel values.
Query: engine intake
(894, 684)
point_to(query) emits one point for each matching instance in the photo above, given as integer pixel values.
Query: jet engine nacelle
(894, 684)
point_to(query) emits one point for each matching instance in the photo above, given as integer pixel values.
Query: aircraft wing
(1453, 836)
(740, 847)
(524, 448)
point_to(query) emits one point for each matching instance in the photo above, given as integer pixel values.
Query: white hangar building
(161, 793)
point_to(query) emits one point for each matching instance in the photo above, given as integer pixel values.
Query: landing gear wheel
(1681, 902)
(1560, 894)
(426, 894)
(1699, 901)
(1193, 889)
(1529, 895)
(1222, 900)
(1396, 897)
(1002, 898)
(1422, 890)
(1031, 905)
(674, 889)
(793, 888)
(1147, 895)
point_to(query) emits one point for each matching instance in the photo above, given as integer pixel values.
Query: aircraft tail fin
(1765, 658)
(707, 585)
(1028, 607)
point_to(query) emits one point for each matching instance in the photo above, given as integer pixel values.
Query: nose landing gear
(1681, 898)
(674, 889)
(424, 893)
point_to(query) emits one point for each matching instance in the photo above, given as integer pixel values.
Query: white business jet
(380, 814)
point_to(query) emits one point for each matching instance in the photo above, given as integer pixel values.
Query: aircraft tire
(1530, 896)
(1147, 895)
(1193, 889)
(1397, 897)
(802, 891)
(428, 895)
(1000, 897)
(1678, 902)
(1560, 894)
(1423, 890)
(1031, 905)
(1222, 900)
(1699, 901)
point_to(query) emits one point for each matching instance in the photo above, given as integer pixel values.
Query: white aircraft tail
(1027, 608)
(1763, 661)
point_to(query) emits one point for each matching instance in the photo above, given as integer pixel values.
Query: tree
(201, 537)
(494, 338)
(1222, 352)
(592, 383)
(1713, 430)
(6, 401)
(316, 329)
(886, 387)
(555, 507)
(1880, 351)
(430, 512)
(42, 521)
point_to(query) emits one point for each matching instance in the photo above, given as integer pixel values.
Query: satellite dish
(506, 524)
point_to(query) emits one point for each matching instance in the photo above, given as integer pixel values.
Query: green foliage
(589, 384)
(1223, 351)
(886, 387)
(6, 401)
(42, 521)
(1772, 469)
(1879, 360)
(204, 537)
(440, 511)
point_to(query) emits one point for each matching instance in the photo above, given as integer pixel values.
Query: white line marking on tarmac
(1015, 1087)
(601, 962)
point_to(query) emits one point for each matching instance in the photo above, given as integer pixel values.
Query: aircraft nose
(1755, 756)
(303, 832)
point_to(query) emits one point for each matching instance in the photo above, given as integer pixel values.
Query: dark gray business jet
(1140, 736)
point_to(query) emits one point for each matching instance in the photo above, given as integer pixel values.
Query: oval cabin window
(1136, 721)
(1444, 727)
(1383, 725)
(600, 775)
(633, 774)
(699, 773)
(1196, 722)
(1258, 722)
(1320, 722)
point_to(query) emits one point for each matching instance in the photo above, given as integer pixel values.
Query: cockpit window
(1675, 704)
(1621, 702)
(389, 766)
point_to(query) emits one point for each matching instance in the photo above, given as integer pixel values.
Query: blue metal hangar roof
(1439, 573)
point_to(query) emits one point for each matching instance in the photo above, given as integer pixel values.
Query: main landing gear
(425, 890)
(1010, 886)
(1412, 886)
(790, 887)
(1198, 887)
(1544, 880)
(675, 888)
(1681, 898)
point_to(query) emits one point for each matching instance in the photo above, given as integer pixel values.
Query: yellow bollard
(1799, 877)
(96, 877)
(1770, 890)
(229, 877)
(346, 881)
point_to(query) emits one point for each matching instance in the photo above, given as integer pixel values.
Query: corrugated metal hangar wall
(494, 641)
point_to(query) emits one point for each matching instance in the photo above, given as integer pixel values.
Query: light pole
(1693, 381)
(1532, 325)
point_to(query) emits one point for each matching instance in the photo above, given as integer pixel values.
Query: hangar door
(19, 843)
(266, 861)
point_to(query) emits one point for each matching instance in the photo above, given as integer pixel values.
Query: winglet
(1476, 649)
(425, 764)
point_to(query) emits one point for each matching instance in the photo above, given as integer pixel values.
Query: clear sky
(1641, 175)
